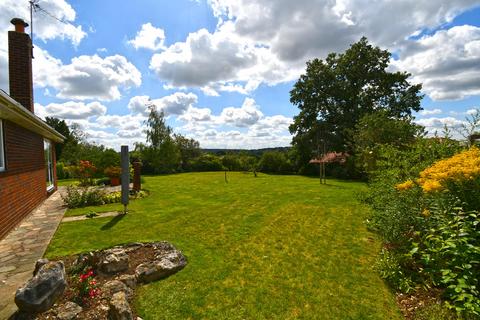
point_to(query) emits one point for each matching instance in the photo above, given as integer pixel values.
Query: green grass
(67, 182)
(272, 247)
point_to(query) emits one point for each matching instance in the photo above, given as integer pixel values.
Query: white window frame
(2, 148)
(49, 164)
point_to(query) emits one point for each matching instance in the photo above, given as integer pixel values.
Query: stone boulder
(129, 279)
(113, 261)
(41, 291)
(68, 311)
(119, 308)
(164, 265)
(113, 286)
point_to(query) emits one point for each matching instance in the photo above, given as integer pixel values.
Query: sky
(222, 70)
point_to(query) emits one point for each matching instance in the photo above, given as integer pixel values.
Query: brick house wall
(23, 184)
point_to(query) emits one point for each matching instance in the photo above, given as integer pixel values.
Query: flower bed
(102, 283)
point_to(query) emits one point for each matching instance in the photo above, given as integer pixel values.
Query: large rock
(119, 308)
(113, 260)
(164, 265)
(129, 279)
(113, 286)
(68, 311)
(41, 291)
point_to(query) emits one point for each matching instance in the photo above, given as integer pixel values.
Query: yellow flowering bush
(405, 185)
(464, 166)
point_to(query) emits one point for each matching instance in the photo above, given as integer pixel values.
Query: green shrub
(77, 197)
(388, 265)
(448, 250)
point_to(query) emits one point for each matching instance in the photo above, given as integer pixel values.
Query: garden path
(23, 246)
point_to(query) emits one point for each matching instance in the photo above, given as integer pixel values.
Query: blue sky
(222, 69)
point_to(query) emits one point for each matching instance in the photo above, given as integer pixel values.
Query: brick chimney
(20, 64)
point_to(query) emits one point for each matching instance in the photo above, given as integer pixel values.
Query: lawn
(271, 247)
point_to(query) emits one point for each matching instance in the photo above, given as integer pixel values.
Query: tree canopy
(335, 93)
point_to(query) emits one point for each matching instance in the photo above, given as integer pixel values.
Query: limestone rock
(68, 311)
(113, 286)
(41, 291)
(119, 308)
(114, 260)
(164, 265)
(129, 279)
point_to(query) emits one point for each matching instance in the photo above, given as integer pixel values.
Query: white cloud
(71, 110)
(437, 124)
(220, 61)
(175, 104)
(445, 62)
(430, 112)
(265, 41)
(86, 77)
(149, 37)
(245, 116)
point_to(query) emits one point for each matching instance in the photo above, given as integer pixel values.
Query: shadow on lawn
(110, 224)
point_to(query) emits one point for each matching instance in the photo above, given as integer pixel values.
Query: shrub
(113, 172)
(77, 197)
(449, 254)
(61, 173)
(431, 218)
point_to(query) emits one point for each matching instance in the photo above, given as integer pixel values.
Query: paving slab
(24, 245)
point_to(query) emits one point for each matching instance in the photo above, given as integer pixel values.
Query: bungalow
(27, 157)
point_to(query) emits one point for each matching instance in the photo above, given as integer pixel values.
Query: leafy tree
(378, 128)
(61, 127)
(335, 93)
(274, 162)
(162, 153)
(188, 148)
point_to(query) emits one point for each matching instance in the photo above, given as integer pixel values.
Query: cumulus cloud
(265, 41)
(247, 115)
(220, 61)
(71, 110)
(430, 112)
(86, 77)
(174, 104)
(149, 37)
(438, 124)
(445, 62)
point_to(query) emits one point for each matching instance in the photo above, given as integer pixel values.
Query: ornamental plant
(86, 171)
(113, 172)
(87, 287)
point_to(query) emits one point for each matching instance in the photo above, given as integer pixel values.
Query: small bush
(77, 197)
(388, 265)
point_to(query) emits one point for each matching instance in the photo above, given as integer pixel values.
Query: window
(2, 148)
(47, 147)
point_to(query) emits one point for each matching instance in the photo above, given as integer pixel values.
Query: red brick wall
(23, 183)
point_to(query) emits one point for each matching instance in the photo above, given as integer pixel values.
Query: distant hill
(254, 152)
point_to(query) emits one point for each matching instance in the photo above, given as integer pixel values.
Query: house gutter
(13, 111)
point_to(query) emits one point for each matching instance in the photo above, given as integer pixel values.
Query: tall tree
(61, 127)
(188, 148)
(336, 92)
(162, 154)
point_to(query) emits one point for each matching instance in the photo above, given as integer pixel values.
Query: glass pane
(48, 163)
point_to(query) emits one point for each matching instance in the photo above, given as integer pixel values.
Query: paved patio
(23, 246)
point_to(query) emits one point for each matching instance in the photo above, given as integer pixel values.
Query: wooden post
(125, 177)
(137, 183)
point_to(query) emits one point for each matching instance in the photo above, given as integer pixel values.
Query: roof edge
(13, 111)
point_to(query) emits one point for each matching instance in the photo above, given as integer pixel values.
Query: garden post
(125, 177)
(137, 183)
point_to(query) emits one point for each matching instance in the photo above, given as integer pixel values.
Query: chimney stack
(20, 64)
